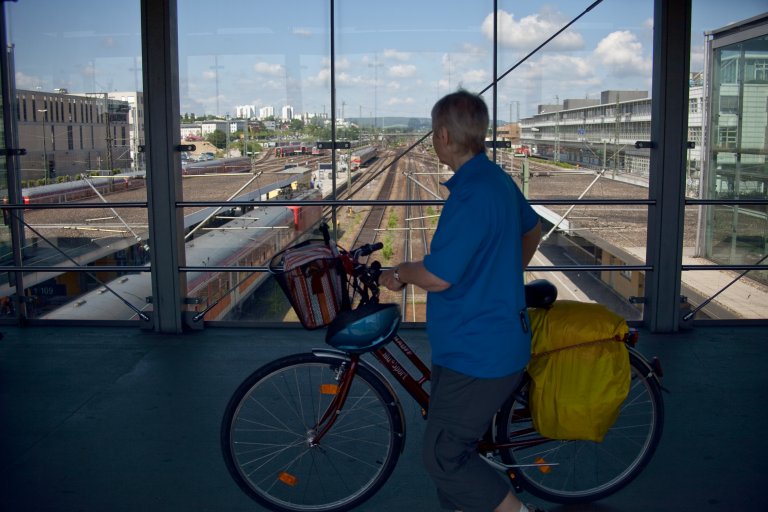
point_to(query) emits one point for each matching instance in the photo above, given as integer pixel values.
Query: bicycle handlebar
(367, 249)
(367, 274)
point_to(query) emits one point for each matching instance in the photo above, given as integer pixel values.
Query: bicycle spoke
(581, 471)
(270, 447)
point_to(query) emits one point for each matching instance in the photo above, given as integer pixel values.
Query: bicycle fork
(344, 375)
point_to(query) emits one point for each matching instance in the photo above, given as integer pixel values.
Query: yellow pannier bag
(579, 370)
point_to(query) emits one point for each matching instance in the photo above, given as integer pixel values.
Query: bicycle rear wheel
(585, 471)
(269, 423)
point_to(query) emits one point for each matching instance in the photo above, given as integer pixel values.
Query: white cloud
(532, 30)
(475, 77)
(396, 55)
(342, 63)
(302, 32)
(622, 54)
(474, 50)
(347, 79)
(569, 70)
(648, 24)
(402, 70)
(24, 81)
(269, 69)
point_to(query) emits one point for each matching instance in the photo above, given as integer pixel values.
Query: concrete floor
(115, 419)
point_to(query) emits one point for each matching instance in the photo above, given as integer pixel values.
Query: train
(80, 189)
(362, 157)
(218, 166)
(523, 150)
(67, 191)
(249, 240)
(302, 149)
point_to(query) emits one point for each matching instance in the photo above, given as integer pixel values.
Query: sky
(392, 58)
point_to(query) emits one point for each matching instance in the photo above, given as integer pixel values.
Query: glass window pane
(715, 234)
(79, 111)
(584, 99)
(731, 164)
(254, 100)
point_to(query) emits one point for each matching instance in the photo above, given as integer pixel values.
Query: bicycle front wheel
(585, 471)
(268, 431)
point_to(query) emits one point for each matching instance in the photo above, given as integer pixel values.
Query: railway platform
(95, 419)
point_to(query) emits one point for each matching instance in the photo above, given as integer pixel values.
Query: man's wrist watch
(396, 273)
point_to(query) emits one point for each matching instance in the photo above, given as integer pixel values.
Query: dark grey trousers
(460, 411)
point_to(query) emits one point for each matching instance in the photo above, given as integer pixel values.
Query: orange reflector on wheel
(543, 467)
(329, 389)
(287, 478)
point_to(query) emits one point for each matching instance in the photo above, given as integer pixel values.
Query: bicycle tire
(586, 471)
(267, 425)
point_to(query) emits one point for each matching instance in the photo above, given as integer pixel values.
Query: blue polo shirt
(475, 327)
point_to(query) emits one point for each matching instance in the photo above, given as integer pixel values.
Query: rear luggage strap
(585, 344)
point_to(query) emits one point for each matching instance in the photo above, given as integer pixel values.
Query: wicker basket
(312, 278)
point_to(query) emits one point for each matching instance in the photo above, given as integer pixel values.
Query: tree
(218, 138)
(296, 125)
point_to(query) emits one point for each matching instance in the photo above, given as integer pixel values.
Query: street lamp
(44, 111)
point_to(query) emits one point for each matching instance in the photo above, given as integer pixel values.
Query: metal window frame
(666, 204)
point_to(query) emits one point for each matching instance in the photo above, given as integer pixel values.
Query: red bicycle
(323, 430)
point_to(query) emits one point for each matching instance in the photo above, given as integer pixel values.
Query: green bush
(392, 221)
(388, 249)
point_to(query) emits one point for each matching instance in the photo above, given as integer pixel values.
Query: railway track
(374, 219)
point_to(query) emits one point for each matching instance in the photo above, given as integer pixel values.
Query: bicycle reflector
(543, 466)
(632, 337)
(287, 479)
(329, 389)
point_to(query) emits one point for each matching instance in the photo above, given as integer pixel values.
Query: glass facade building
(736, 168)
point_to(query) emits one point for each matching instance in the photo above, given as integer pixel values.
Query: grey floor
(106, 419)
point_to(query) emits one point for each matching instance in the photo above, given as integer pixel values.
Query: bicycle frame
(415, 389)
(414, 386)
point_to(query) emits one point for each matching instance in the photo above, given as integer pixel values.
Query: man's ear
(443, 134)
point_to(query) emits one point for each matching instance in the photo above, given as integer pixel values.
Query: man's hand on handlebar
(388, 280)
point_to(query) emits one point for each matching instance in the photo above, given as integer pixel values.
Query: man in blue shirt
(476, 318)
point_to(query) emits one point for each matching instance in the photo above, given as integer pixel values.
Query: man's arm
(413, 272)
(531, 243)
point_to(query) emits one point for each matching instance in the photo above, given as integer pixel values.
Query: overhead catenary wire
(492, 84)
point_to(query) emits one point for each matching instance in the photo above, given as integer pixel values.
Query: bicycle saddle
(363, 329)
(540, 293)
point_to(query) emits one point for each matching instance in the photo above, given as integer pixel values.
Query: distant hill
(410, 123)
(415, 124)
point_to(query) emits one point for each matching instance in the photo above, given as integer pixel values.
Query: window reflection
(256, 98)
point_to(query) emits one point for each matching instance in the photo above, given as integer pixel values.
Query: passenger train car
(219, 166)
(249, 240)
(362, 156)
(77, 190)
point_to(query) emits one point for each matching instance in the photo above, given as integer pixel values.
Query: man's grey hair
(465, 116)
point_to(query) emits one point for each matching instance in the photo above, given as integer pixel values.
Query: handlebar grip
(325, 232)
(375, 269)
(367, 249)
